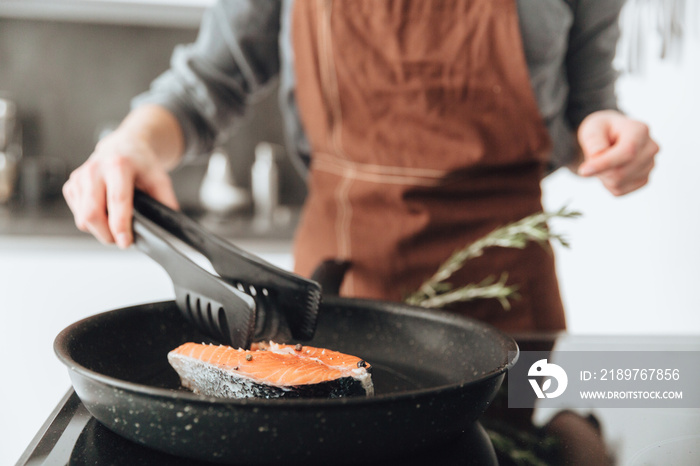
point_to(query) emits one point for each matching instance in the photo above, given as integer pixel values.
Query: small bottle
(8, 120)
(10, 148)
(218, 192)
(265, 181)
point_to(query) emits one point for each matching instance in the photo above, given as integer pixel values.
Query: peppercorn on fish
(270, 370)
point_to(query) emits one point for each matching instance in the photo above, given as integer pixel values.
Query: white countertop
(47, 284)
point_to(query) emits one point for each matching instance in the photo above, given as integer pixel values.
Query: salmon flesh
(270, 370)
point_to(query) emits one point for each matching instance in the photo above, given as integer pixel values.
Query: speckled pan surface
(433, 374)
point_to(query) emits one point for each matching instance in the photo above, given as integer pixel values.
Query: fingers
(95, 213)
(624, 167)
(617, 150)
(624, 142)
(119, 185)
(615, 156)
(160, 187)
(100, 194)
(619, 183)
(593, 140)
(85, 195)
(123, 175)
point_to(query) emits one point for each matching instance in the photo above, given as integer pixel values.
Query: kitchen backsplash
(71, 79)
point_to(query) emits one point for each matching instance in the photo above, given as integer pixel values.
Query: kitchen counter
(49, 219)
(54, 219)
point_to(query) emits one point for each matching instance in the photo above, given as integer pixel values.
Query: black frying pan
(434, 374)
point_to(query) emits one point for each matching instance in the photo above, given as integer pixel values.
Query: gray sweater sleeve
(589, 62)
(569, 46)
(210, 82)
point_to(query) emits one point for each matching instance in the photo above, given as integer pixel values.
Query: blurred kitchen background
(70, 68)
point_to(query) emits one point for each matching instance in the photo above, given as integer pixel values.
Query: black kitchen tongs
(250, 300)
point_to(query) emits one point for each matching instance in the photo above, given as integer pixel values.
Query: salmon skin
(270, 370)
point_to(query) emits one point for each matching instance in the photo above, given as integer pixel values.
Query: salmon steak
(270, 370)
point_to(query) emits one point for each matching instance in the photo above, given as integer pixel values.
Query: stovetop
(71, 436)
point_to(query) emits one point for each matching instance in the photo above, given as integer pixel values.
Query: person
(420, 125)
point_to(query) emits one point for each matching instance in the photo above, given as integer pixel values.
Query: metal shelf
(166, 13)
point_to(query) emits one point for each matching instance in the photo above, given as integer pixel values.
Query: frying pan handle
(330, 274)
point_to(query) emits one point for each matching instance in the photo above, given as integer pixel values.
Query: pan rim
(60, 349)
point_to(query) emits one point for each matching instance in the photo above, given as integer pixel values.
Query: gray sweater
(244, 48)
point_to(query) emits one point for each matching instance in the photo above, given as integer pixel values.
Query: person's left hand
(616, 149)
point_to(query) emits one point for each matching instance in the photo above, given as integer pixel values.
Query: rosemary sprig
(488, 288)
(437, 292)
(522, 448)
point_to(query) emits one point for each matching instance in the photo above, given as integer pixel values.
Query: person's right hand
(100, 192)
(138, 154)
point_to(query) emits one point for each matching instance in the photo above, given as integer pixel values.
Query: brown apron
(425, 136)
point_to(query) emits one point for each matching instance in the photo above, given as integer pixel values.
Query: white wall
(634, 263)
